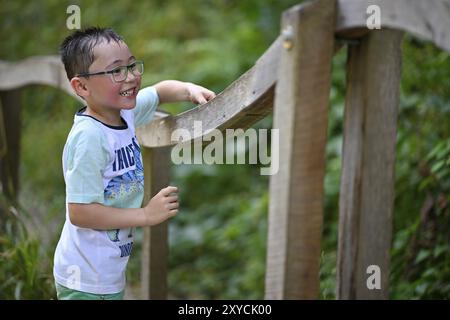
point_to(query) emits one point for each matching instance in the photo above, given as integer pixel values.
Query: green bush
(25, 272)
(218, 241)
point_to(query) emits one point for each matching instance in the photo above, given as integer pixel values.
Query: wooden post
(155, 242)
(10, 142)
(367, 182)
(301, 115)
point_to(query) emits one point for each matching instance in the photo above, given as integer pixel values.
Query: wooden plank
(301, 116)
(47, 70)
(250, 98)
(367, 181)
(155, 242)
(428, 19)
(246, 101)
(10, 134)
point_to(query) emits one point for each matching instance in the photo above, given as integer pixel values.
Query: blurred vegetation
(25, 271)
(218, 241)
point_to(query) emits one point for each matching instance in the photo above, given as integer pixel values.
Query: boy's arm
(97, 216)
(176, 91)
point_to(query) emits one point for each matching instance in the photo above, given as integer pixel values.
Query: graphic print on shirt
(128, 183)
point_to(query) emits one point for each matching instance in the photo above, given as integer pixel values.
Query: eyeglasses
(120, 74)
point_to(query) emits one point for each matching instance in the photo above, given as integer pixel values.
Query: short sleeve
(146, 102)
(86, 157)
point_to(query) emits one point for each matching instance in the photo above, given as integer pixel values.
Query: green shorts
(63, 293)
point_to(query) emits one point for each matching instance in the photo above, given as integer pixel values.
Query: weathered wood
(428, 19)
(243, 103)
(250, 98)
(300, 115)
(296, 191)
(47, 70)
(155, 242)
(367, 181)
(10, 134)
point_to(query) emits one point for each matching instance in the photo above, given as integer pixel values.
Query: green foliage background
(218, 241)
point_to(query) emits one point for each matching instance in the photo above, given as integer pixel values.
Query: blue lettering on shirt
(136, 146)
(125, 249)
(130, 154)
(124, 157)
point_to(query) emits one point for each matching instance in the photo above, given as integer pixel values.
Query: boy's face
(103, 91)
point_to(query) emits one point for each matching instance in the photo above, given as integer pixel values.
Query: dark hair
(77, 50)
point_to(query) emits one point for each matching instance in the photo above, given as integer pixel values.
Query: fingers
(170, 202)
(202, 96)
(209, 95)
(172, 199)
(200, 100)
(168, 190)
(172, 213)
(173, 205)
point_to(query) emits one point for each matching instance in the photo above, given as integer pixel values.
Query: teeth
(127, 93)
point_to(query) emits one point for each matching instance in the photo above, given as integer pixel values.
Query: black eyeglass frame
(111, 72)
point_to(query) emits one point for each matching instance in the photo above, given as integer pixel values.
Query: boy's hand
(162, 206)
(199, 95)
(177, 91)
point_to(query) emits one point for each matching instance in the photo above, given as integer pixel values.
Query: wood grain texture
(10, 135)
(301, 116)
(429, 20)
(155, 247)
(250, 98)
(47, 70)
(246, 101)
(367, 181)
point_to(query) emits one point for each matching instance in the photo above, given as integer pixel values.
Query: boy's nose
(130, 76)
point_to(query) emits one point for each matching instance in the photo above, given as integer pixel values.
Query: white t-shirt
(101, 164)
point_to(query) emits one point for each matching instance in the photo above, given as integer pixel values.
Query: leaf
(439, 250)
(437, 166)
(422, 255)
(420, 289)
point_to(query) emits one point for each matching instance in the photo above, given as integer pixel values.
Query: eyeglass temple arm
(93, 74)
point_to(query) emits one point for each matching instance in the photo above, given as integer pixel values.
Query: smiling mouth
(127, 93)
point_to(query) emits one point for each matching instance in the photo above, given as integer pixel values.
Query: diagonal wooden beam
(246, 101)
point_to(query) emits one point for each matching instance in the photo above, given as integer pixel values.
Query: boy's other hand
(162, 206)
(199, 94)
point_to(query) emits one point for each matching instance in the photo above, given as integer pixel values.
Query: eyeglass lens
(121, 73)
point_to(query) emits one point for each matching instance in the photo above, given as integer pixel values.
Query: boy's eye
(116, 71)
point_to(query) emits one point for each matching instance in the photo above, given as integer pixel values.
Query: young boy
(102, 164)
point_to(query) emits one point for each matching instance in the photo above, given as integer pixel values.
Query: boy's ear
(79, 86)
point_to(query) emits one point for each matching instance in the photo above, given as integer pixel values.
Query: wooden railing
(292, 80)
